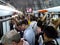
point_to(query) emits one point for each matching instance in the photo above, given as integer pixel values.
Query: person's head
(33, 18)
(50, 33)
(39, 26)
(18, 26)
(24, 24)
(11, 38)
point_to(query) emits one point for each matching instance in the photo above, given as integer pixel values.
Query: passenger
(21, 25)
(24, 24)
(13, 38)
(38, 31)
(28, 18)
(29, 34)
(18, 28)
(11, 24)
(50, 35)
(37, 28)
(33, 23)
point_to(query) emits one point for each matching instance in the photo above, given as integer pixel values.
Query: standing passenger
(13, 38)
(50, 35)
(28, 32)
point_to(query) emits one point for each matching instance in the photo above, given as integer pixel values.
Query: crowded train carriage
(27, 29)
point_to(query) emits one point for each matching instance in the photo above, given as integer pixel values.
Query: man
(13, 38)
(50, 36)
(28, 32)
(18, 28)
(39, 32)
(29, 35)
(37, 28)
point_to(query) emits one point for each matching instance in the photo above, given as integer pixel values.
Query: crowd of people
(30, 30)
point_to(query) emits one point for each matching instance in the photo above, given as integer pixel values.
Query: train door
(1, 29)
(4, 26)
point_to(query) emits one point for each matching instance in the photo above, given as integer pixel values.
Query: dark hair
(19, 23)
(51, 32)
(22, 22)
(1, 44)
(39, 23)
(33, 18)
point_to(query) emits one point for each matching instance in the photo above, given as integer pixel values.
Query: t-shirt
(29, 35)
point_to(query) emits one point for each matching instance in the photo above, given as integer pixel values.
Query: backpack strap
(56, 42)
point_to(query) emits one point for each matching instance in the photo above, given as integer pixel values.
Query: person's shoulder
(33, 22)
(50, 43)
(25, 43)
